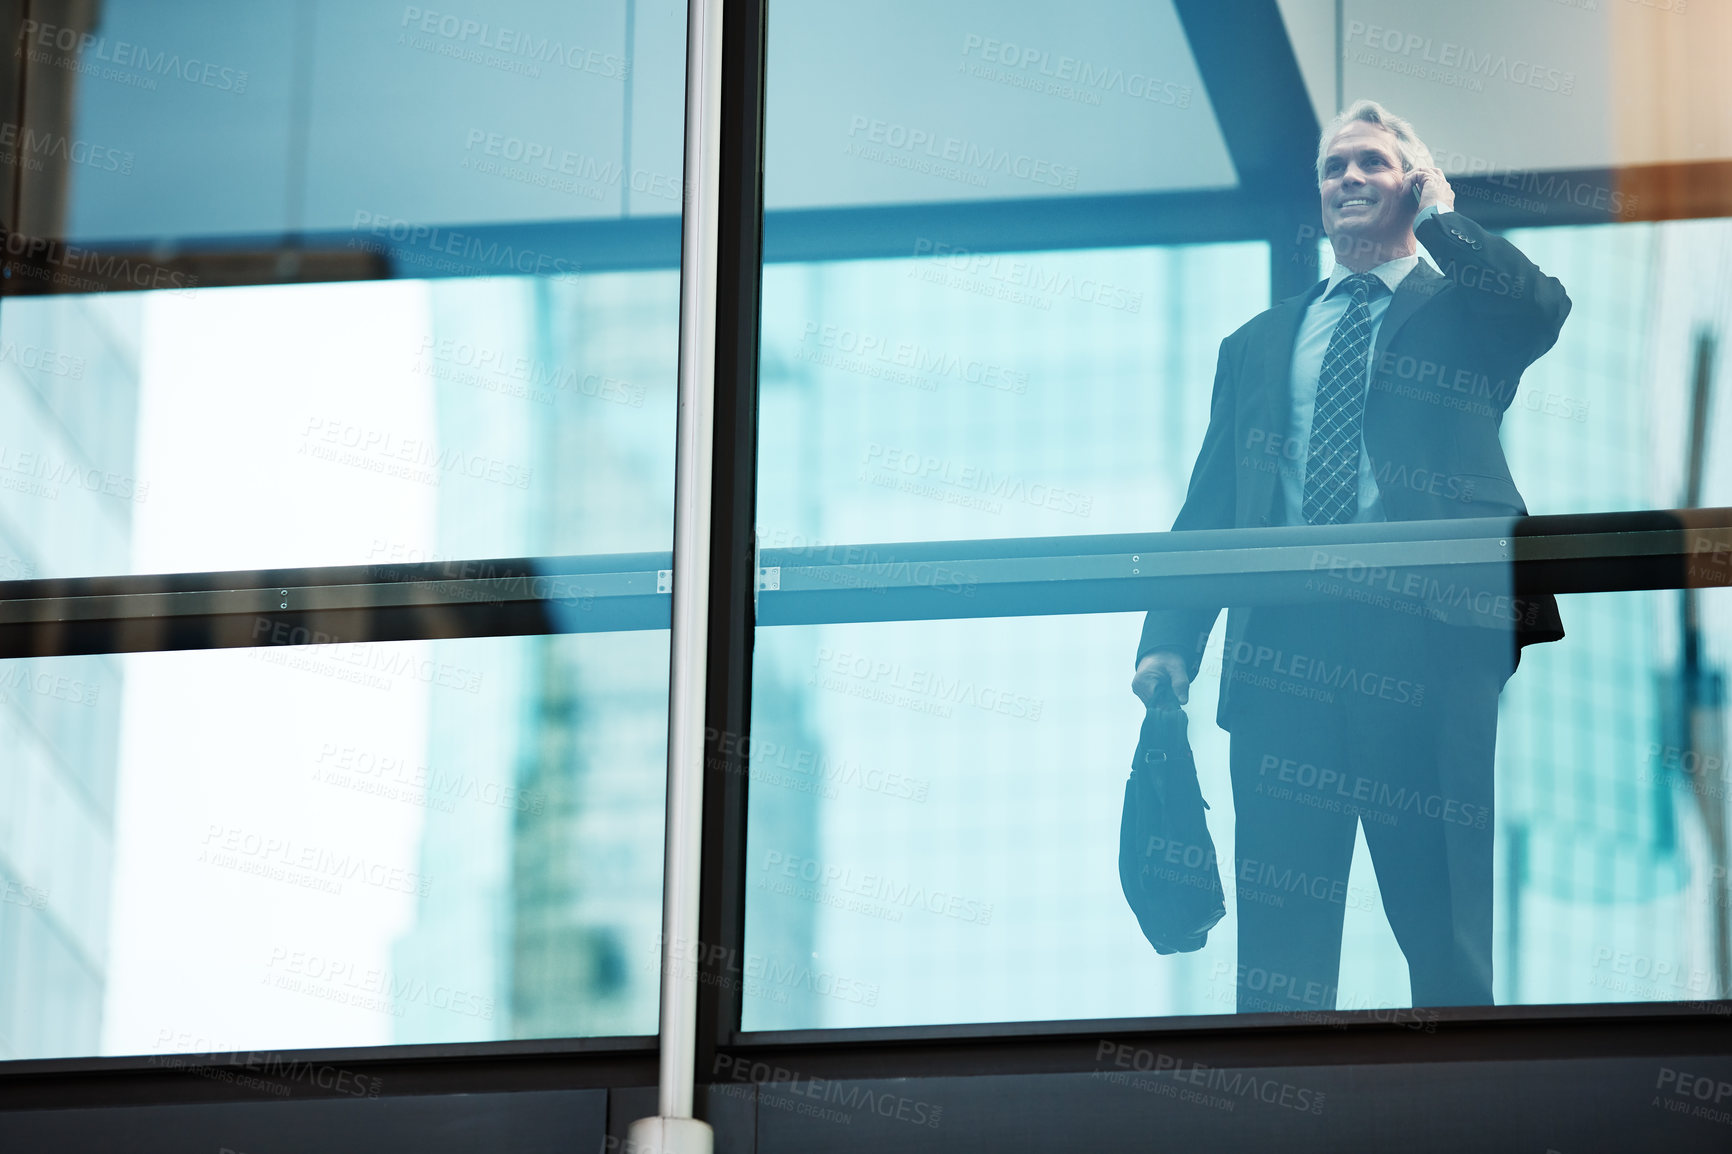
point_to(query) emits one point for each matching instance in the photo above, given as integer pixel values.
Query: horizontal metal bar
(382, 249)
(905, 581)
(887, 575)
(338, 604)
(867, 1051)
(1653, 543)
(958, 229)
(579, 591)
(1120, 573)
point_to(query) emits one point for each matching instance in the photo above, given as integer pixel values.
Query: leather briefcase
(1167, 863)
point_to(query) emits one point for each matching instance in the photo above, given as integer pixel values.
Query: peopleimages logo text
(467, 247)
(878, 887)
(60, 261)
(31, 146)
(88, 47)
(1081, 73)
(1446, 54)
(530, 46)
(890, 676)
(432, 459)
(982, 159)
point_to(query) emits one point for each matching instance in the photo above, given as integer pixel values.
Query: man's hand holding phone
(1429, 186)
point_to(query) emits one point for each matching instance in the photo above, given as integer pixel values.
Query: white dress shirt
(1315, 330)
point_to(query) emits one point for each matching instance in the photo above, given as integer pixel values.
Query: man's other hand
(1158, 667)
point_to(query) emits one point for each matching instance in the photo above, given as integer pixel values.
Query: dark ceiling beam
(1032, 224)
(1253, 83)
(946, 229)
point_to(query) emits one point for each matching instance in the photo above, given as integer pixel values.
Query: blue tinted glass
(1531, 91)
(957, 433)
(376, 423)
(918, 790)
(347, 843)
(983, 101)
(204, 120)
(332, 845)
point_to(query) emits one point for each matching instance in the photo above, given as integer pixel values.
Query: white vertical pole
(673, 1130)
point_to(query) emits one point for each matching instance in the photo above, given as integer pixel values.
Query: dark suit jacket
(1448, 358)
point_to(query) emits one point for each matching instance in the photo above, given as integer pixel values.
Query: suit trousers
(1348, 715)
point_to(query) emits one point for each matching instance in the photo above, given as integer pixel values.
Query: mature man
(1375, 396)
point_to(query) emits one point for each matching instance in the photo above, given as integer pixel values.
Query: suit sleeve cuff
(1425, 214)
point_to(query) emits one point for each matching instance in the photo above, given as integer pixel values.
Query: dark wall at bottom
(533, 1122)
(1585, 1106)
(1137, 1097)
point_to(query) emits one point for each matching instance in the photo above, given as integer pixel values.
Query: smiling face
(1364, 192)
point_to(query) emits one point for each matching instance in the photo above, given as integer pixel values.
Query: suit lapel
(1266, 397)
(1274, 375)
(1415, 289)
(1266, 393)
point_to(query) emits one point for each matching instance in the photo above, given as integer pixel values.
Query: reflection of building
(554, 908)
(1593, 861)
(1597, 866)
(68, 402)
(1026, 407)
(783, 982)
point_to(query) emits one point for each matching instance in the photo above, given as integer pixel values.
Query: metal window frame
(1250, 74)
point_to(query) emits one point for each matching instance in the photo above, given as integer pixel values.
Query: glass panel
(962, 395)
(413, 841)
(1566, 84)
(935, 811)
(914, 400)
(1603, 420)
(201, 119)
(936, 827)
(983, 101)
(331, 845)
(374, 423)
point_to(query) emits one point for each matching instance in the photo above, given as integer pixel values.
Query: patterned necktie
(1332, 468)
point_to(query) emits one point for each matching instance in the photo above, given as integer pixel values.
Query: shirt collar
(1391, 272)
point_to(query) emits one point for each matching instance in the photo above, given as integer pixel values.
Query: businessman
(1375, 396)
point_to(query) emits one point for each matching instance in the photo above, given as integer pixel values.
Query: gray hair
(1408, 146)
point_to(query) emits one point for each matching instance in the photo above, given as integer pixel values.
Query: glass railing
(940, 736)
